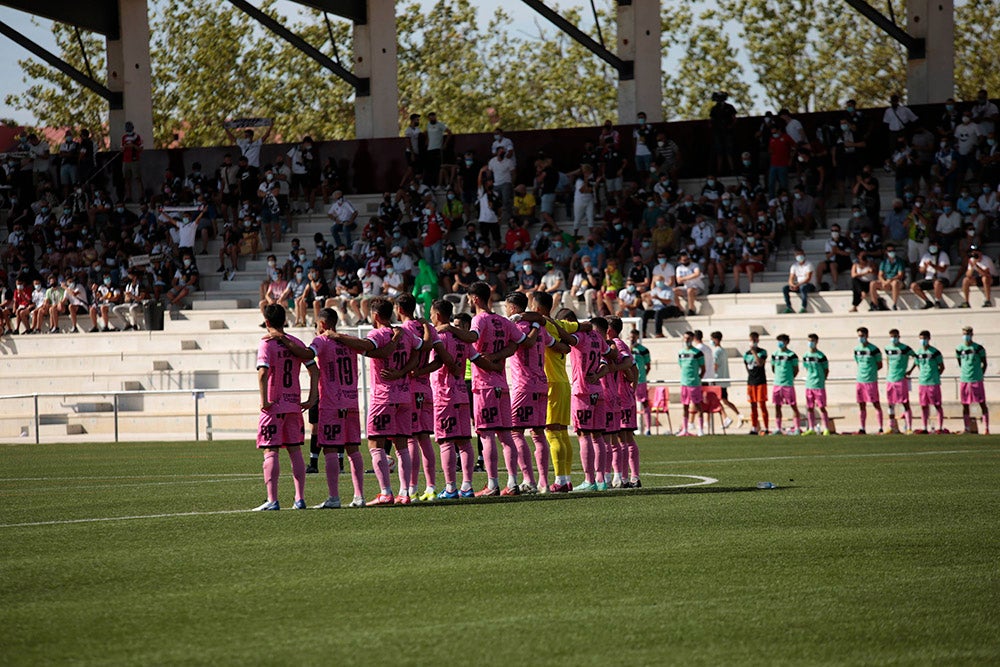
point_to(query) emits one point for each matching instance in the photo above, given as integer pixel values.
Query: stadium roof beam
(114, 98)
(929, 39)
(354, 10)
(638, 60)
(362, 87)
(100, 16)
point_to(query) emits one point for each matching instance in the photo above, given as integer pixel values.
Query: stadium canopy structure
(928, 37)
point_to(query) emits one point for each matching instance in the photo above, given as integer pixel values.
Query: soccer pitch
(872, 550)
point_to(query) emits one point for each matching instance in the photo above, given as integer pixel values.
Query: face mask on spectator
(187, 262)
(271, 262)
(557, 244)
(481, 276)
(932, 249)
(645, 244)
(661, 260)
(800, 258)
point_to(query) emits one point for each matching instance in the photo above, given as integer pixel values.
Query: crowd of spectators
(636, 243)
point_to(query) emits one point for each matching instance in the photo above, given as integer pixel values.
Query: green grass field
(872, 550)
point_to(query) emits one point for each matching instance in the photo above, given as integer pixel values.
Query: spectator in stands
(949, 225)
(946, 162)
(753, 260)
(503, 167)
(106, 297)
(69, 153)
(658, 304)
(585, 283)
(55, 302)
(898, 119)
(75, 299)
(989, 160)
(489, 206)
(847, 155)
(437, 134)
(276, 290)
(891, 278)
(129, 311)
(584, 184)
(800, 281)
(934, 267)
(344, 217)
(863, 271)
(524, 206)
(20, 306)
(643, 135)
(722, 118)
(838, 257)
(6, 309)
(39, 307)
(690, 282)
(780, 150)
(249, 147)
(185, 281)
(894, 224)
(629, 301)
(981, 272)
(612, 283)
(612, 170)
(553, 282)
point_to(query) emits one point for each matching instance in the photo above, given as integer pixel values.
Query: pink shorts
(492, 409)
(386, 420)
(629, 419)
(781, 395)
(588, 412)
(691, 395)
(815, 398)
(337, 428)
(285, 429)
(897, 392)
(612, 419)
(528, 408)
(866, 392)
(642, 392)
(423, 412)
(930, 394)
(452, 422)
(972, 392)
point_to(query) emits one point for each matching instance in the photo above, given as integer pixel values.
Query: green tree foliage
(55, 99)
(977, 65)
(708, 65)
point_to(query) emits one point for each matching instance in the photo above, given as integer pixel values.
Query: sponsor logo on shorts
(381, 422)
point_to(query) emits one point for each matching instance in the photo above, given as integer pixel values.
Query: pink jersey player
(624, 458)
(587, 403)
(419, 440)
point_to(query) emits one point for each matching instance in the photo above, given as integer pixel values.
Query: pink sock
(600, 452)
(777, 420)
(448, 461)
(684, 421)
(428, 458)
(510, 453)
(811, 419)
(405, 468)
(878, 416)
(925, 414)
(413, 449)
(863, 415)
(986, 422)
(826, 420)
(272, 469)
(358, 473)
(468, 456)
(332, 473)
(524, 458)
(633, 459)
(617, 456)
(647, 410)
(541, 456)
(701, 421)
(298, 472)
(908, 418)
(490, 457)
(380, 462)
(940, 414)
(587, 456)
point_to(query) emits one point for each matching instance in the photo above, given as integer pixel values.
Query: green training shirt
(867, 357)
(816, 365)
(970, 362)
(897, 359)
(641, 355)
(783, 363)
(691, 361)
(928, 359)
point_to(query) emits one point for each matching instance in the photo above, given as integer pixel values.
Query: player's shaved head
(407, 304)
(481, 290)
(600, 324)
(543, 300)
(382, 308)
(518, 300)
(615, 324)
(444, 308)
(274, 316)
(328, 318)
(566, 314)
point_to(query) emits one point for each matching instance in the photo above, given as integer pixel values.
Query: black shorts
(929, 284)
(978, 280)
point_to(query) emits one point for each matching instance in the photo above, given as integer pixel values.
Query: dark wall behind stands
(376, 165)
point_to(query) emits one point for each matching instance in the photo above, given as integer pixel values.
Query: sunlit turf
(871, 550)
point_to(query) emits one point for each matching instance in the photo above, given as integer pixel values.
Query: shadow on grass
(604, 495)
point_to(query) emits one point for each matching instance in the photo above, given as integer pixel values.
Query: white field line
(106, 477)
(117, 518)
(702, 481)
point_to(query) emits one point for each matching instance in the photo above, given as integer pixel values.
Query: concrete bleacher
(209, 351)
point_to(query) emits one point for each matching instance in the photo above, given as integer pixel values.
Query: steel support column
(639, 42)
(376, 114)
(129, 72)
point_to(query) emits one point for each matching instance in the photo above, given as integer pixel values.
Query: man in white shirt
(436, 133)
(949, 224)
(503, 168)
(664, 269)
(658, 303)
(982, 272)
(690, 282)
(934, 265)
(344, 215)
(402, 263)
(985, 113)
(800, 280)
(249, 147)
(793, 127)
(501, 141)
(897, 117)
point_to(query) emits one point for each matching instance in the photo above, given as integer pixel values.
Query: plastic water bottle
(766, 485)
